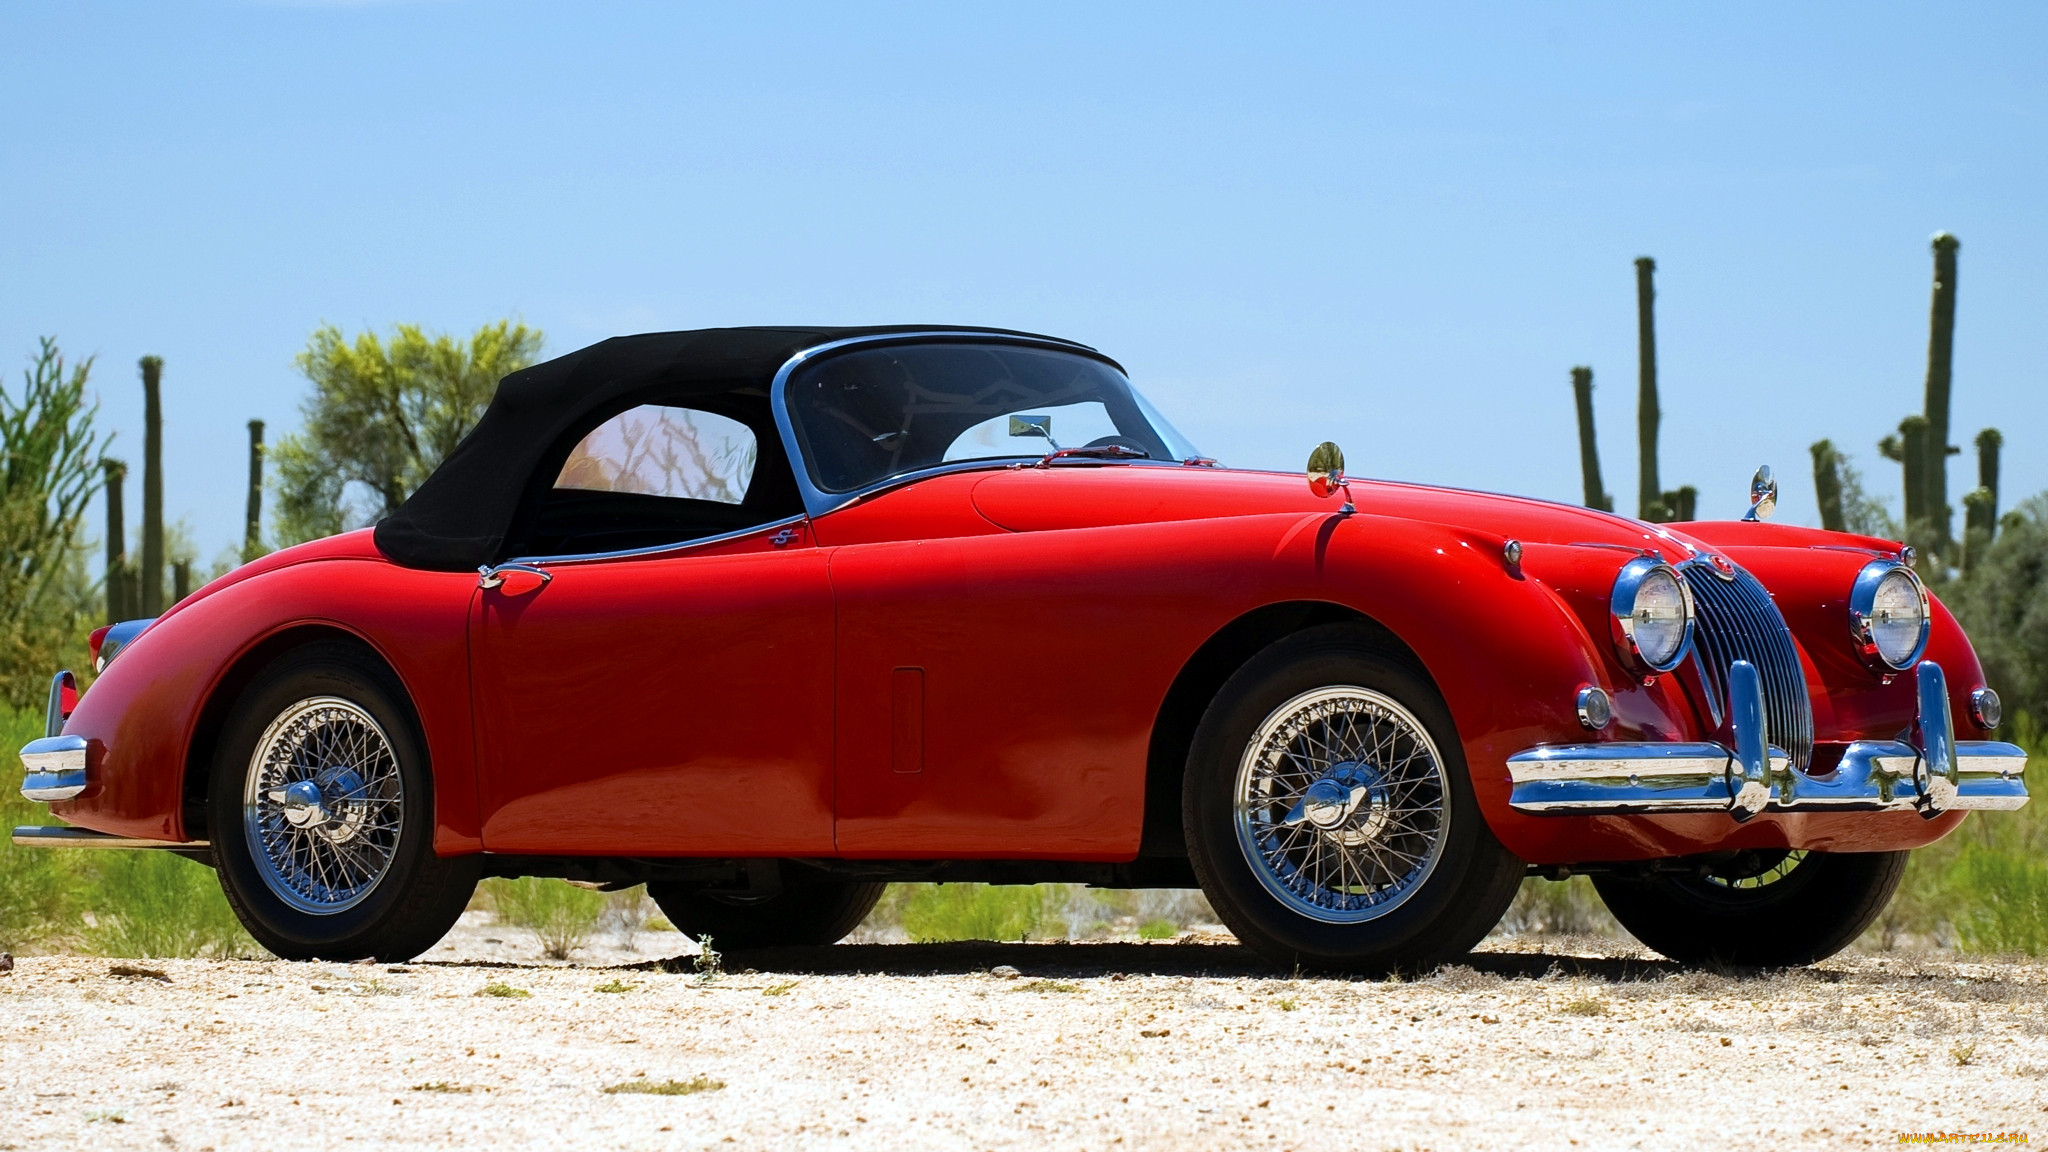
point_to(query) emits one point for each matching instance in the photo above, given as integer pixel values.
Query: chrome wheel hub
(1340, 804)
(1350, 802)
(322, 805)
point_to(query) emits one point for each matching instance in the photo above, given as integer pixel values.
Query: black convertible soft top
(460, 517)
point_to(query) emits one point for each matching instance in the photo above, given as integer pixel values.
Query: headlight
(1652, 615)
(1888, 615)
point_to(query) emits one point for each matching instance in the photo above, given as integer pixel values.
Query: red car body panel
(143, 715)
(973, 666)
(670, 701)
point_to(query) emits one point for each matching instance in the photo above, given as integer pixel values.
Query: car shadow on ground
(1113, 958)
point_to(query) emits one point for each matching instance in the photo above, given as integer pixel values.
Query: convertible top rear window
(869, 414)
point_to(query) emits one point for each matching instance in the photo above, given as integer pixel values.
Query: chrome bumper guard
(56, 768)
(1936, 775)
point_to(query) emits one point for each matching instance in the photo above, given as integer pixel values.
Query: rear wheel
(1765, 909)
(1329, 816)
(811, 908)
(320, 811)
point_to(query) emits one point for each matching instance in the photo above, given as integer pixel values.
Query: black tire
(1441, 915)
(1793, 915)
(414, 896)
(812, 909)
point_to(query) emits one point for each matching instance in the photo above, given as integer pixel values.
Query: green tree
(49, 470)
(2003, 605)
(382, 416)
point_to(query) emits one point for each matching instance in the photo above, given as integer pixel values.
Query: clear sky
(1394, 226)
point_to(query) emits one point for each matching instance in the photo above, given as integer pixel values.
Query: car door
(662, 700)
(996, 692)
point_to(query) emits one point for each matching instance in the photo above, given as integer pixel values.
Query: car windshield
(868, 414)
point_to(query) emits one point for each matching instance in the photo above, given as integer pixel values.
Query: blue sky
(1394, 227)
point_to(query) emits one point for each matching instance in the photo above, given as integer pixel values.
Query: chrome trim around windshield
(818, 501)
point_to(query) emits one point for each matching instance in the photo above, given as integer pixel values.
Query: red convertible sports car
(766, 618)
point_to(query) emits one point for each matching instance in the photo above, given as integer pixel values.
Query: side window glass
(655, 450)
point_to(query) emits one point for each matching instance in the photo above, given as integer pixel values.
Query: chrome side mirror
(1326, 474)
(1763, 495)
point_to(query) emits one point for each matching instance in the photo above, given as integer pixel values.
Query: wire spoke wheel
(1340, 804)
(323, 805)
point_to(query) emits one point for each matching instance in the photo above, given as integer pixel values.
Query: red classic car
(768, 618)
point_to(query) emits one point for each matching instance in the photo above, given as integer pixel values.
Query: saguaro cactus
(1680, 503)
(1980, 504)
(1589, 448)
(252, 528)
(1649, 491)
(1941, 333)
(1989, 441)
(1911, 450)
(1827, 485)
(152, 576)
(117, 543)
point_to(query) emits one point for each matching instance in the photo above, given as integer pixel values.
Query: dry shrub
(1552, 908)
(560, 915)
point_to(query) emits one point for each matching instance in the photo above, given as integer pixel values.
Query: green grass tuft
(940, 912)
(1046, 986)
(1158, 930)
(160, 905)
(503, 990)
(615, 986)
(644, 1087)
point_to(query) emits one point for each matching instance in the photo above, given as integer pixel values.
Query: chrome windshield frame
(818, 502)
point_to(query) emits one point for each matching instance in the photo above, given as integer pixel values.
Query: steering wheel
(1119, 442)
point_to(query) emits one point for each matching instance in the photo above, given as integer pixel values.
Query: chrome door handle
(489, 576)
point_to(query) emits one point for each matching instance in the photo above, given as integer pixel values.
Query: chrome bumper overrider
(56, 768)
(1934, 774)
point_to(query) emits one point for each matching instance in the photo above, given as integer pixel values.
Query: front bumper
(1933, 774)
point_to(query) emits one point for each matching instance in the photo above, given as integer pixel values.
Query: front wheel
(1759, 909)
(320, 811)
(1329, 816)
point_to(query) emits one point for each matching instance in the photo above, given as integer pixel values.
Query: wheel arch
(1203, 675)
(228, 688)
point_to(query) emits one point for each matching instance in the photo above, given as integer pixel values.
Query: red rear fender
(152, 717)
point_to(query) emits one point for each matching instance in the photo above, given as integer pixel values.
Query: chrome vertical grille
(1735, 620)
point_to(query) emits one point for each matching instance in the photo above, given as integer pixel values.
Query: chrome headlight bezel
(1628, 584)
(1863, 608)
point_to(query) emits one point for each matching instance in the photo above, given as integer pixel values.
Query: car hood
(1042, 499)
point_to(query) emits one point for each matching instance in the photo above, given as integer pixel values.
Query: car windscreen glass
(865, 415)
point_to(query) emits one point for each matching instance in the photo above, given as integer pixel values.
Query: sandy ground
(1188, 1044)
